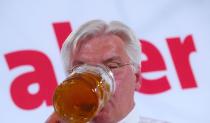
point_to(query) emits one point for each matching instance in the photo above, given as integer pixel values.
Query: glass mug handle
(84, 93)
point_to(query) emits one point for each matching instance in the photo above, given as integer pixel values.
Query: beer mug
(84, 93)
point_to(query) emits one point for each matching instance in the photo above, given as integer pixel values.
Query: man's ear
(138, 80)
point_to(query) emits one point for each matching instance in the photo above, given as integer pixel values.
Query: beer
(84, 93)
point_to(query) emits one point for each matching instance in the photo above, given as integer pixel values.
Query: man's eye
(113, 65)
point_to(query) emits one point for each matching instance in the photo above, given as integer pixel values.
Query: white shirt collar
(135, 117)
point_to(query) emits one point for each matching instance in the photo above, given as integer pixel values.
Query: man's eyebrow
(115, 58)
(77, 62)
(112, 59)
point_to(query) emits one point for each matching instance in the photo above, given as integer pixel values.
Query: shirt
(135, 117)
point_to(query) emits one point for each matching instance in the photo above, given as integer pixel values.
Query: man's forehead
(101, 41)
(99, 49)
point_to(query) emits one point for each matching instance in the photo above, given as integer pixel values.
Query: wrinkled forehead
(101, 46)
(98, 40)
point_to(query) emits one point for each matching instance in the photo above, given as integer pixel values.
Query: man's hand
(54, 118)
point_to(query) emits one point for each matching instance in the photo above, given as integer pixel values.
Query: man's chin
(103, 116)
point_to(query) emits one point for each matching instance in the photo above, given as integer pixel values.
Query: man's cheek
(117, 83)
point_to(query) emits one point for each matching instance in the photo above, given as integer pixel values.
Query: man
(115, 46)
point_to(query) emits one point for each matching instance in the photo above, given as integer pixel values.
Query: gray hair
(96, 28)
